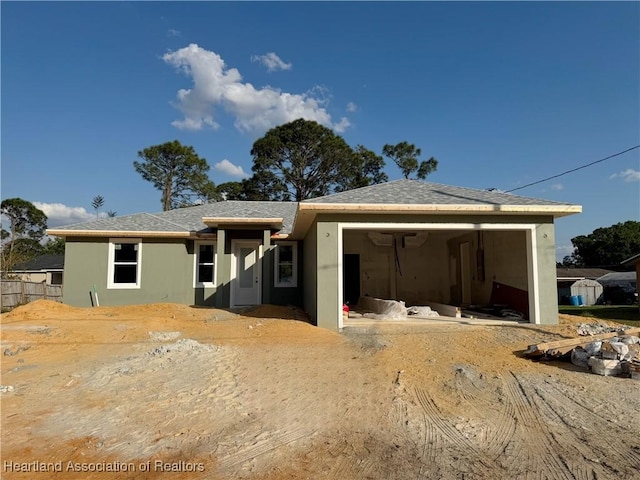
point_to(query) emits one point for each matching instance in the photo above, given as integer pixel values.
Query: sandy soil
(169, 391)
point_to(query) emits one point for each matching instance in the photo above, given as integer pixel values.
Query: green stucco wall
(547, 285)
(166, 269)
(328, 275)
(309, 272)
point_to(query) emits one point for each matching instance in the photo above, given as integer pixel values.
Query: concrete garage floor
(415, 320)
(392, 312)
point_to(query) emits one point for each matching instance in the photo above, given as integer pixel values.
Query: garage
(469, 266)
(424, 243)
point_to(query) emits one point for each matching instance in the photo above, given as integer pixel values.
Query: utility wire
(573, 169)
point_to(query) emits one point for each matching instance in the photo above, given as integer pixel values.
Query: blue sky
(501, 93)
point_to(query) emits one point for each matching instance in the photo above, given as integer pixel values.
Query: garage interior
(484, 272)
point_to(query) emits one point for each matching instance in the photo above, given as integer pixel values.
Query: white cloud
(272, 61)
(225, 166)
(255, 110)
(342, 125)
(562, 251)
(172, 32)
(351, 107)
(629, 175)
(557, 186)
(59, 214)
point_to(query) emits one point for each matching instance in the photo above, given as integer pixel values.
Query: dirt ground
(170, 391)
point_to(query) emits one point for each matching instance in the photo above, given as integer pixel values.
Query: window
(124, 263)
(205, 269)
(286, 264)
(56, 278)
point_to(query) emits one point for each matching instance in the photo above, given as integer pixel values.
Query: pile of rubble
(379, 309)
(616, 356)
(614, 352)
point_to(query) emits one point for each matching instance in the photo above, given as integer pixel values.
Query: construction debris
(422, 311)
(379, 309)
(595, 328)
(615, 353)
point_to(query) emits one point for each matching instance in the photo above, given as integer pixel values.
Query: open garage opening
(483, 271)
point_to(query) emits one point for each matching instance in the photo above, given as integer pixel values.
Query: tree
(98, 201)
(111, 213)
(607, 246)
(27, 225)
(54, 246)
(405, 155)
(230, 191)
(177, 171)
(299, 160)
(364, 169)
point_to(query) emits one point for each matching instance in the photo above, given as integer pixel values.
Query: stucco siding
(328, 273)
(309, 272)
(546, 273)
(166, 270)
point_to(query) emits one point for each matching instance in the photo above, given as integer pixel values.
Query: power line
(573, 169)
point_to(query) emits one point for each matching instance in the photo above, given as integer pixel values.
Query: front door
(246, 286)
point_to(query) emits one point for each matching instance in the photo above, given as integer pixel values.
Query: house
(634, 262)
(44, 268)
(619, 288)
(579, 282)
(407, 240)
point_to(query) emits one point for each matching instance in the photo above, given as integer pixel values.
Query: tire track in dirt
(227, 463)
(354, 470)
(581, 462)
(499, 435)
(565, 435)
(542, 448)
(415, 431)
(444, 433)
(608, 444)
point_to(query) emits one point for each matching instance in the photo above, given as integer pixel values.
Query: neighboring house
(619, 288)
(634, 262)
(575, 282)
(45, 268)
(405, 240)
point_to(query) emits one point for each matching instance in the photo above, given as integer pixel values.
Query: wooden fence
(19, 292)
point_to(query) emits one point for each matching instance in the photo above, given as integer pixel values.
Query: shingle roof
(416, 192)
(43, 262)
(590, 273)
(190, 218)
(399, 192)
(631, 260)
(615, 278)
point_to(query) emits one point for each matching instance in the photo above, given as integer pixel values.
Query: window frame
(111, 284)
(294, 265)
(196, 263)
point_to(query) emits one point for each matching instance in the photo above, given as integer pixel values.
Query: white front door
(246, 284)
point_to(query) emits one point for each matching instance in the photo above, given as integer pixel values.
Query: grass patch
(627, 314)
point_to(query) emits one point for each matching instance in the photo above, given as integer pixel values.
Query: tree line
(294, 161)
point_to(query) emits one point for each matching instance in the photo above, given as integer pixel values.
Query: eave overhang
(307, 212)
(118, 233)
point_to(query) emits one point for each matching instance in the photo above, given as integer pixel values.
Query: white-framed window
(125, 260)
(286, 264)
(205, 264)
